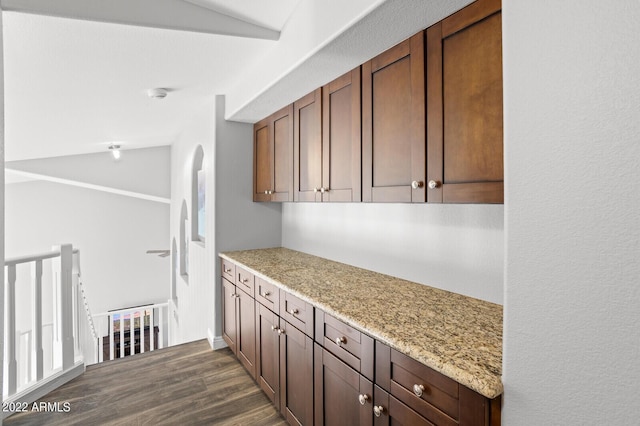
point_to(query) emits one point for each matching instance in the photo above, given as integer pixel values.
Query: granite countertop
(456, 335)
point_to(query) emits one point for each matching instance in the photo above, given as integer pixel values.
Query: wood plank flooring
(182, 385)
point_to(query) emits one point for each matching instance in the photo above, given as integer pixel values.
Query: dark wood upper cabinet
(327, 142)
(307, 147)
(393, 124)
(464, 106)
(273, 157)
(342, 139)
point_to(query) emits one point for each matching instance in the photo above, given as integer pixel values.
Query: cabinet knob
(418, 390)
(280, 331)
(433, 184)
(274, 328)
(417, 184)
(340, 340)
(294, 311)
(226, 271)
(233, 295)
(363, 398)
(378, 410)
(266, 293)
(323, 190)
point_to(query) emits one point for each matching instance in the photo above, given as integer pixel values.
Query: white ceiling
(74, 86)
(77, 71)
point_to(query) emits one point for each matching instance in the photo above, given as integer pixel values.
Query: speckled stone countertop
(458, 336)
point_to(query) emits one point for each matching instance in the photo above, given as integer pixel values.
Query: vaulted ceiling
(77, 72)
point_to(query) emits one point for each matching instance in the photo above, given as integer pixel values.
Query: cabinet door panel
(246, 342)
(262, 161)
(296, 375)
(229, 328)
(337, 392)
(308, 147)
(342, 138)
(268, 353)
(283, 155)
(393, 136)
(464, 102)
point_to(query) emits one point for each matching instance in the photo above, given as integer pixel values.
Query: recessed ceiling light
(158, 93)
(115, 151)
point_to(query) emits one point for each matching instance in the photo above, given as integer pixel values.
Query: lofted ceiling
(77, 71)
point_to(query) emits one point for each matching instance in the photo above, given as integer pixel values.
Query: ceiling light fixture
(158, 93)
(115, 151)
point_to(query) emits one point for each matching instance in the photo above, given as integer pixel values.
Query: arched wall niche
(198, 199)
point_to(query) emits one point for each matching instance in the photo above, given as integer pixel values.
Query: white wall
(1, 201)
(233, 220)
(455, 247)
(112, 233)
(194, 292)
(240, 223)
(572, 294)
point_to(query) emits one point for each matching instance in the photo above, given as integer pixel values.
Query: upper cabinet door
(307, 148)
(464, 106)
(393, 124)
(273, 157)
(341, 136)
(262, 161)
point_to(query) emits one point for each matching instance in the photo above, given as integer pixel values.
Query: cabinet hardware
(316, 189)
(266, 293)
(418, 390)
(378, 410)
(245, 280)
(417, 184)
(294, 311)
(280, 331)
(363, 398)
(433, 184)
(323, 190)
(274, 328)
(233, 295)
(340, 340)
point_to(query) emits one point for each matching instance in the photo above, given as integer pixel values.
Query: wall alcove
(198, 199)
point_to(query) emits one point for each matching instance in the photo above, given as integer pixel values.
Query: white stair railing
(132, 330)
(62, 284)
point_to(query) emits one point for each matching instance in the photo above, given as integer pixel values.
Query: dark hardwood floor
(182, 385)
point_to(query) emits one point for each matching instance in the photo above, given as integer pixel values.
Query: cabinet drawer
(426, 391)
(268, 294)
(244, 280)
(347, 343)
(297, 312)
(229, 270)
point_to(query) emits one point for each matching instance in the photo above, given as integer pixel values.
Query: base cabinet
(268, 353)
(296, 375)
(342, 396)
(229, 316)
(344, 377)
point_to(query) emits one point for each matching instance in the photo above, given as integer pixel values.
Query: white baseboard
(219, 343)
(37, 391)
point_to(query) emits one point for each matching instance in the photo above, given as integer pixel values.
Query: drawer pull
(294, 311)
(363, 398)
(226, 271)
(418, 390)
(266, 293)
(245, 280)
(378, 410)
(340, 340)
